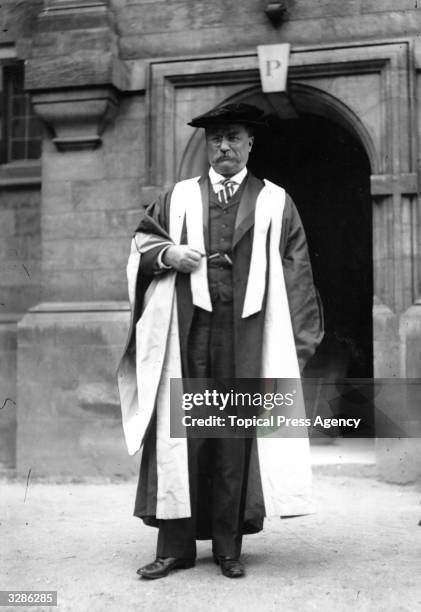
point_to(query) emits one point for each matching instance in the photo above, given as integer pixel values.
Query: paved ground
(360, 552)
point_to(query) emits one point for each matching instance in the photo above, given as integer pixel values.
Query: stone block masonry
(68, 405)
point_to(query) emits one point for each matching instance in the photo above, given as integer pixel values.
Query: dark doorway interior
(326, 171)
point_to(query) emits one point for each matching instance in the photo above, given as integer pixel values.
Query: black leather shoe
(231, 567)
(162, 566)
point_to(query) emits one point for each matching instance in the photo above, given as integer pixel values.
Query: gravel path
(360, 552)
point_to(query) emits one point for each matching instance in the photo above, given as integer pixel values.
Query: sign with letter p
(273, 66)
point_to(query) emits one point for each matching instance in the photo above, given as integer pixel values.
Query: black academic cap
(246, 114)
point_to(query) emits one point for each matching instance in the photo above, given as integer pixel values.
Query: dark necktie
(227, 191)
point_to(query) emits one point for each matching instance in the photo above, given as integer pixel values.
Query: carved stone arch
(308, 99)
(303, 98)
(320, 122)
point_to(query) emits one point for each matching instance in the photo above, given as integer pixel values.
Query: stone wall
(20, 249)
(68, 405)
(91, 203)
(162, 29)
(20, 255)
(17, 19)
(91, 198)
(85, 60)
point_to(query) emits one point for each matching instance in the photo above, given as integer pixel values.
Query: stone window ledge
(21, 174)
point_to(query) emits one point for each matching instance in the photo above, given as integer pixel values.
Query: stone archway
(320, 152)
(302, 99)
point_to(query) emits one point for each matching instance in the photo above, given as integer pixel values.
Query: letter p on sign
(273, 66)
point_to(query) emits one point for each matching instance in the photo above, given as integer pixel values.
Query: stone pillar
(73, 72)
(386, 341)
(69, 420)
(68, 409)
(397, 349)
(396, 330)
(93, 157)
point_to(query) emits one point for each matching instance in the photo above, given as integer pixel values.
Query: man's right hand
(182, 258)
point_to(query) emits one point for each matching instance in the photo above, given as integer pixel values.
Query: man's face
(228, 147)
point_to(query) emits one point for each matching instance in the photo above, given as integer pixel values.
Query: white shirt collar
(216, 178)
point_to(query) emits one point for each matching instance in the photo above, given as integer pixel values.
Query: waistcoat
(221, 232)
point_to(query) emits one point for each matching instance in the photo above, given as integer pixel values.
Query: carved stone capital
(74, 72)
(76, 118)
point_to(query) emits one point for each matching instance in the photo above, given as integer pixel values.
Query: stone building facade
(114, 84)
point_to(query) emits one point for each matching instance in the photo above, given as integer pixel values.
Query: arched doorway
(319, 159)
(327, 173)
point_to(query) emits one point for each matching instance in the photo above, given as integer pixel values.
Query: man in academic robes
(221, 287)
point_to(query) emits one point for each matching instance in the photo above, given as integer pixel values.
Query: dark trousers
(224, 462)
(227, 458)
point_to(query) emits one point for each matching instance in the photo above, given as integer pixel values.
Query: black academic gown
(304, 307)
